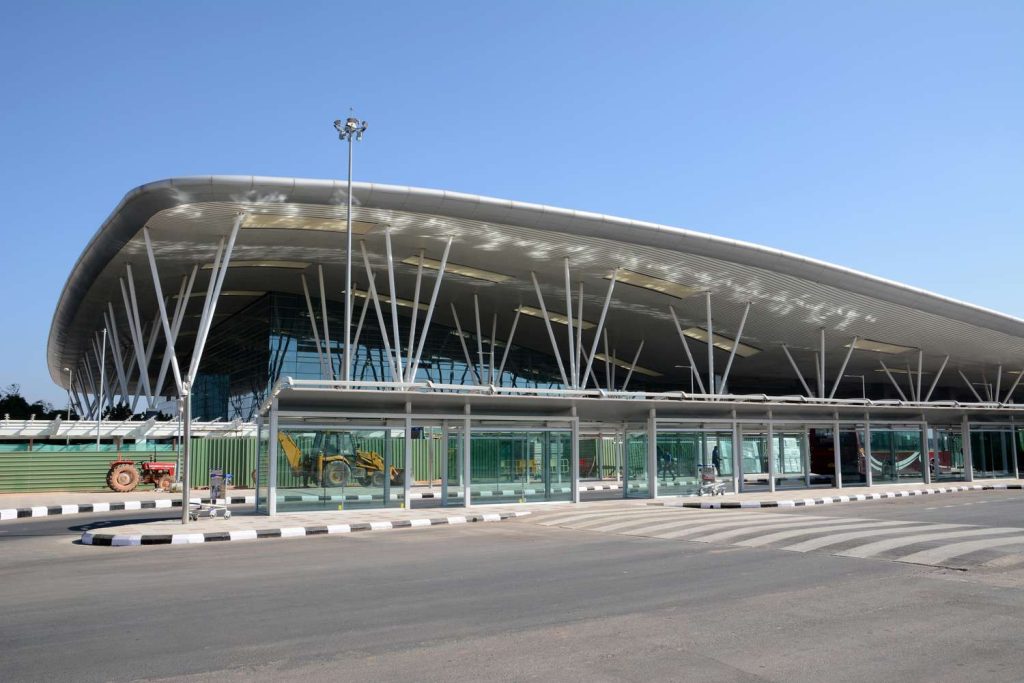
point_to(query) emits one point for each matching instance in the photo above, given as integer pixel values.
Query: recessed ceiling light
(654, 284)
(465, 271)
(879, 347)
(362, 294)
(293, 265)
(553, 317)
(625, 364)
(721, 342)
(276, 222)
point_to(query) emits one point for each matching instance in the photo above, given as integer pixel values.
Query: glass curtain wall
(789, 448)
(991, 451)
(822, 457)
(335, 468)
(521, 466)
(946, 454)
(896, 455)
(754, 459)
(636, 464)
(681, 454)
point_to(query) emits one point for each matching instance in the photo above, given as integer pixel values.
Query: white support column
(184, 296)
(394, 304)
(632, 366)
(380, 315)
(711, 347)
(131, 311)
(965, 437)
(928, 396)
(842, 368)
(479, 340)
(163, 316)
(205, 325)
(272, 460)
(324, 372)
(1013, 387)
(686, 348)
(551, 333)
(407, 460)
(910, 384)
(837, 478)
(970, 386)
(430, 308)
(412, 325)
(821, 369)
(465, 350)
(920, 371)
(573, 370)
(490, 356)
(732, 353)
(359, 330)
(575, 456)
(328, 353)
(115, 345)
(926, 463)
(607, 362)
(1013, 449)
(868, 476)
(771, 454)
(893, 380)
(600, 326)
(508, 345)
(652, 454)
(785, 349)
(579, 336)
(737, 455)
(467, 458)
(999, 384)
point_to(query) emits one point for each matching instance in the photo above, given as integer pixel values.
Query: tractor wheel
(377, 480)
(123, 478)
(163, 482)
(336, 474)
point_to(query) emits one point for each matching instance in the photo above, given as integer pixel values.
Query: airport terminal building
(495, 351)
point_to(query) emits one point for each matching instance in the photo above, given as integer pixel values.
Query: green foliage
(17, 407)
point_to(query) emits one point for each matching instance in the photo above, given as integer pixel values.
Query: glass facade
(681, 454)
(896, 455)
(521, 466)
(946, 454)
(636, 464)
(991, 452)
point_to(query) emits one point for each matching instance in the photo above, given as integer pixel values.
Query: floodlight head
(350, 128)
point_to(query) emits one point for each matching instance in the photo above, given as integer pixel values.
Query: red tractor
(123, 477)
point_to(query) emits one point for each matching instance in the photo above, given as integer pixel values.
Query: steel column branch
(600, 323)
(935, 381)
(799, 376)
(686, 348)
(430, 308)
(736, 345)
(893, 380)
(551, 333)
(842, 369)
(632, 366)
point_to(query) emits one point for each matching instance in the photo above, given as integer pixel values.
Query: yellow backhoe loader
(334, 461)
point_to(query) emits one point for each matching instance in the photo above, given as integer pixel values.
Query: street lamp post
(67, 415)
(351, 128)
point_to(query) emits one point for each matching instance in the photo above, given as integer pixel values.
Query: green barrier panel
(26, 472)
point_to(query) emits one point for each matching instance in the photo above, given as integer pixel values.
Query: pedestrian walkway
(934, 544)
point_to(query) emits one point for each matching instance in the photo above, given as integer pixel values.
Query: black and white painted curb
(81, 508)
(800, 502)
(110, 539)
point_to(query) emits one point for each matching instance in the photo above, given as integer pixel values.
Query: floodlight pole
(347, 130)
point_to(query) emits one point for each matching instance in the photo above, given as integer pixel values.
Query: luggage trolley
(218, 490)
(709, 484)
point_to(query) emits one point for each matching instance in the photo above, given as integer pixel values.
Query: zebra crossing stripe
(647, 519)
(947, 552)
(693, 530)
(794, 533)
(878, 547)
(650, 530)
(810, 524)
(599, 521)
(572, 517)
(880, 529)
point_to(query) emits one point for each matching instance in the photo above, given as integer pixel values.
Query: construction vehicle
(333, 461)
(124, 477)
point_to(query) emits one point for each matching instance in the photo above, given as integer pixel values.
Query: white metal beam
(163, 313)
(842, 369)
(732, 353)
(395, 377)
(600, 321)
(551, 333)
(935, 381)
(430, 308)
(785, 349)
(686, 348)
(324, 372)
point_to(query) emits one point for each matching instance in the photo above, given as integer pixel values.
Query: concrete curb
(125, 505)
(800, 502)
(108, 539)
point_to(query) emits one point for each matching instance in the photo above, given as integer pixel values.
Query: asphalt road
(983, 508)
(511, 601)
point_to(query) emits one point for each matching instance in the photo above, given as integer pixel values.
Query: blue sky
(883, 136)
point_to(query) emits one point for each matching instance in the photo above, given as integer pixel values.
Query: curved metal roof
(797, 292)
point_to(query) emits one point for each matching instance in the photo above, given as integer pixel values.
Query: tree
(17, 407)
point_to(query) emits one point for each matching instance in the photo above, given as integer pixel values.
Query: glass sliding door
(754, 460)
(790, 454)
(946, 454)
